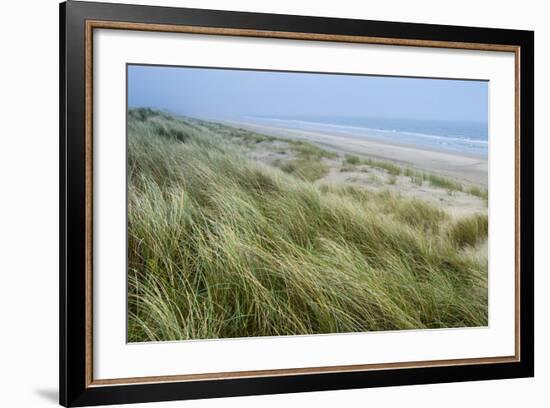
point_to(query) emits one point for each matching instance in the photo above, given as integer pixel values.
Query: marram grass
(223, 246)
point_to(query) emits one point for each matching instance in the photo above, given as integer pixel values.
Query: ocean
(453, 136)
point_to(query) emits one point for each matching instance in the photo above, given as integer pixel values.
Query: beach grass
(470, 231)
(390, 168)
(352, 162)
(478, 192)
(309, 164)
(418, 177)
(223, 246)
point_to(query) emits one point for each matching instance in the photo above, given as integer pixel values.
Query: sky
(210, 92)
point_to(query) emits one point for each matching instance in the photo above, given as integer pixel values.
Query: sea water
(469, 138)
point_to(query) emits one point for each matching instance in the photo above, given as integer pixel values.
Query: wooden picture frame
(78, 20)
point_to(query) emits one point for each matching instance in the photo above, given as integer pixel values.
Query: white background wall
(29, 201)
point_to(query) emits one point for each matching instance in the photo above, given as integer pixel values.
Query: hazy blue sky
(220, 92)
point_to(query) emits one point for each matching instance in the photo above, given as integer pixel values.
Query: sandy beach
(461, 167)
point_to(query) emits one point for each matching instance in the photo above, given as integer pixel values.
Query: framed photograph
(256, 204)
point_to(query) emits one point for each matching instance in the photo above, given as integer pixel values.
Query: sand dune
(461, 167)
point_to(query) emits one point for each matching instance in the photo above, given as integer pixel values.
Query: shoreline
(462, 167)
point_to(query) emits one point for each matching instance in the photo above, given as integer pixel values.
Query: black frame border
(72, 124)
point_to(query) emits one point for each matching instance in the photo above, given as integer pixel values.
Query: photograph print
(274, 203)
